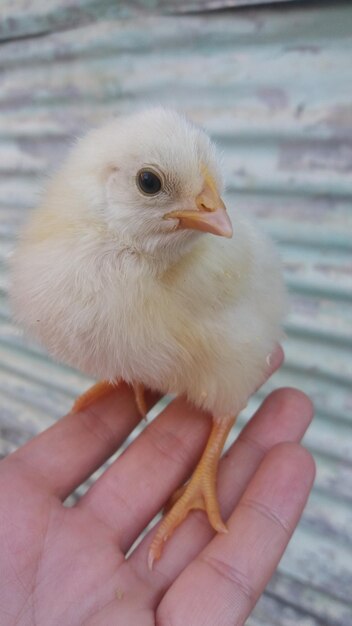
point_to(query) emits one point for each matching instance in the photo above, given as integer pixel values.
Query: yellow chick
(127, 270)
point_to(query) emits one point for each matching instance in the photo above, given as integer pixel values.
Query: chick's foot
(139, 396)
(103, 388)
(100, 389)
(198, 493)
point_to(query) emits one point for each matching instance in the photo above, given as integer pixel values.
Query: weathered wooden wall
(273, 85)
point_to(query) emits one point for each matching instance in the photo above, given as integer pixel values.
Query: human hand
(67, 566)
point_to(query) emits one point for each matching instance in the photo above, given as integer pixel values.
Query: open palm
(67, 566)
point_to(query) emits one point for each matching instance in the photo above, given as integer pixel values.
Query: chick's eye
(148, 182)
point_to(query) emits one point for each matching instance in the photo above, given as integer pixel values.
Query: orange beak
(210, 215)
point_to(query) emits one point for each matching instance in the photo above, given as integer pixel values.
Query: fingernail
(275, 358)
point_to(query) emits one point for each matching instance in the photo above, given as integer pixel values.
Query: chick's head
(152, 177)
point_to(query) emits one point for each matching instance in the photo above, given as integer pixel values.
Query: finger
(133, 489)
(230, 574)
(72, 449)
(136, 486)
(284, 416)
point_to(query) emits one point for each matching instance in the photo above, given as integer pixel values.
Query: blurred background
(272, 83)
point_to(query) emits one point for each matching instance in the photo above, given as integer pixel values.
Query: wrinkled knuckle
(94, 424)
(263, 510)
(252, 443)
(168, 444)
(232, 575)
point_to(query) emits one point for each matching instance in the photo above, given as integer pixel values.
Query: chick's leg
(100, 389)
(103, 388)
(199, 492)
(139, 396)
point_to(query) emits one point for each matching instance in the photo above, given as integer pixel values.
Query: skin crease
(67, 566)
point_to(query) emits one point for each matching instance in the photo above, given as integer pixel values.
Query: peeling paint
(331, 155)
(274, 97)
(339, 118)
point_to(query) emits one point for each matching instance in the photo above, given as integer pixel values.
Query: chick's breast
(228, 301)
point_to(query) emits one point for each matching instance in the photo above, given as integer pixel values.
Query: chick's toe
(97, 391)
(104, 388)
